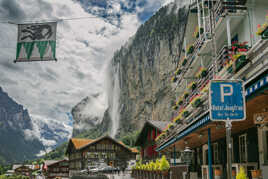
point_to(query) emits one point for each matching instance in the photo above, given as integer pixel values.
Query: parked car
(83, 172)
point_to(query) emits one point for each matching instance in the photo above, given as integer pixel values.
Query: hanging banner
(36, 42)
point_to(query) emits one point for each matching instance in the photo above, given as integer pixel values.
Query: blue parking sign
(227, 100)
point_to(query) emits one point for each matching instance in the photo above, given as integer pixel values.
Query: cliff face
(14, 121)
(140, 77)
(146, 64)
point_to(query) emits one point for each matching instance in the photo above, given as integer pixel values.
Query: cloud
(11, 9)
(50, 89)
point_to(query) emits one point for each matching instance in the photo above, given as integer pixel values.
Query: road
(126, 175)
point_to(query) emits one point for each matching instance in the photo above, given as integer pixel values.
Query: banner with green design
(36, 42)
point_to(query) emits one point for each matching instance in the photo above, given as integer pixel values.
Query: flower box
(196, 32)
(196, 102)
(179, 102)
(184, 62)
(174, 79)
(178, 71)
(185, 95)
(192, 86)
(240, 62)
(202, 72)
(185, 114)
(190, 49)
(175, 107)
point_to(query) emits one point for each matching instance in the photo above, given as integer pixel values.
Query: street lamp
(187, 157)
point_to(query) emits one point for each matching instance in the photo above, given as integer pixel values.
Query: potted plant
(175, 107)
(171, 126)
(184, 62)
(202, 73)
(262, 30)
(241, 174)
(196, 32)
(185, 113)
(164, 166)
(178, 71)
(192, 86)
(196, 102)
(185, 95)
(190, 49)
(174, 79)
(177, 120)
(256, 173)
(240, 61)
(179, 102)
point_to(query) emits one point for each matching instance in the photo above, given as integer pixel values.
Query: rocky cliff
(146, 65)
(14, 121)
(140, 77)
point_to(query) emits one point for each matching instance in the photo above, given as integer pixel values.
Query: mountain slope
(14, 121)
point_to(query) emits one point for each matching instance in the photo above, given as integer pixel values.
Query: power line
(51, 20)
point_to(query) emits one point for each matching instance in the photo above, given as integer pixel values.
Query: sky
(49, 90)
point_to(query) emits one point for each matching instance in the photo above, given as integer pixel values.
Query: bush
(241, 174)
(164, 165)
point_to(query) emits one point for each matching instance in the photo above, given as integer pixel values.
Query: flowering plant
(196, 32)
(202, 72)
(190, 49)
(178, 71)
(179, 102)
(174, 79)
(185, 95)
(192, 86)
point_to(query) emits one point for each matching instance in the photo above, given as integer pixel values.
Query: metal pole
(174, 155)
(229, 148)
(209, 156)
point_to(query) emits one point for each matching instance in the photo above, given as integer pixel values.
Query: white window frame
(246, 150)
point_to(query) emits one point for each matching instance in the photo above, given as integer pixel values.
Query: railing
(221, 8)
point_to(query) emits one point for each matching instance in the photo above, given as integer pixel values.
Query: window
(243, 148)
(216, 152)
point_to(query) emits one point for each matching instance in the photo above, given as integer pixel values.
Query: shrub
(164, 165)
(241, 174)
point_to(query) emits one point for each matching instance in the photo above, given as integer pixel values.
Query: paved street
(126, 175)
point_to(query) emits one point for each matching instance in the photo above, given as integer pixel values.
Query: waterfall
(112, 86)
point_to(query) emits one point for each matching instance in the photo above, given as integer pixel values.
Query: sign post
(227, 103)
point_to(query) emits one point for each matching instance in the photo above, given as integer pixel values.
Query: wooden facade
(59, 169)
(23, 170)
(86, 152)
(146, 139)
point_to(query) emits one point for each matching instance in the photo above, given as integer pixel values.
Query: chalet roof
(57, 161)
(83, 143)
(50, 162)
(16, 166)
(79, 143)
(159, 125)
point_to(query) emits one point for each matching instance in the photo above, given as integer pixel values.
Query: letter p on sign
(223, 93)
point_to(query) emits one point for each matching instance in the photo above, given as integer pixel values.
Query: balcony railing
(222, 9)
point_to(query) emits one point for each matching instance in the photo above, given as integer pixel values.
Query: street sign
(227, 100)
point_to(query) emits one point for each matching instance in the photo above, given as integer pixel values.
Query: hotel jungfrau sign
(36, 42)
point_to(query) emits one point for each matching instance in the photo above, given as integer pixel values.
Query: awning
(198, 124)
(262, 82)
(256, 86)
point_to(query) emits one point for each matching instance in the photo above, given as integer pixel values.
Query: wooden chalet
(24, 170)
(57, 169)
(146, 139)
(87, 152)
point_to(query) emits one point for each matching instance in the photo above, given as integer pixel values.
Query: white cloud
(50, 89)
